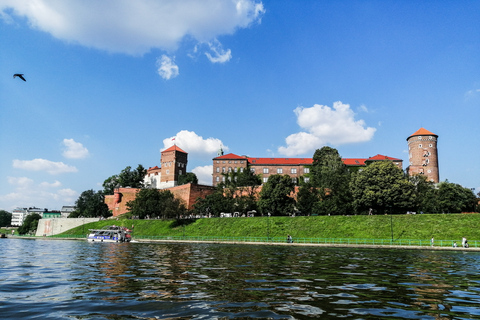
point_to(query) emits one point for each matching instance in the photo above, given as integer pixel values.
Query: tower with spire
(423, 155)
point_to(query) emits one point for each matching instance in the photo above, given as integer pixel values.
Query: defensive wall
(188, 193)
(50, 227)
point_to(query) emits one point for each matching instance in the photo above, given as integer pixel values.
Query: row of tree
(331, 188)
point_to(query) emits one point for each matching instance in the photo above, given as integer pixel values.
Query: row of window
(265, 170)
(265, 179)
(231, 161)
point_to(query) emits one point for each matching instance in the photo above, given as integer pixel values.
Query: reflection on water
(80, 280)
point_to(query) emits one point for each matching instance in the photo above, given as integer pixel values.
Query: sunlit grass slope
(440, 226)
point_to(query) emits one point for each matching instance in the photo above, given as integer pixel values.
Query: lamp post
(268, 227)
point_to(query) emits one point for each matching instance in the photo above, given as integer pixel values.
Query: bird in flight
(20, 75)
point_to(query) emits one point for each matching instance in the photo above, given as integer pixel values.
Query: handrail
(333, 241)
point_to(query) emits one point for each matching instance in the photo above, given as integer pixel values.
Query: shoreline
(297, 244)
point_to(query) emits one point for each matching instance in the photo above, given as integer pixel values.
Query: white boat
(110, 234)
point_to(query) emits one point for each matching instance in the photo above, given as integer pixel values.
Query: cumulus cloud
(134, 27)
(218, 54)
(166, 67)
(74, 150)
(323, 125)
(43, 165)
(204, 174)
(27, 193)
(54, 184)
(190, 142)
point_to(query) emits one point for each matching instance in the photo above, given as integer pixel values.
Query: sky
(110, 84)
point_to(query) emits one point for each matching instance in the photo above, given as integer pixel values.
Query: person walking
(432, 241)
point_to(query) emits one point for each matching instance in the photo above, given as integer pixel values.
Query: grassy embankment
(440, 226)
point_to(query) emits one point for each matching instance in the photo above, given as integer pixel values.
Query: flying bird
(20, 75)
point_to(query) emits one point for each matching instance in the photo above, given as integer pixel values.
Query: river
(65, 279)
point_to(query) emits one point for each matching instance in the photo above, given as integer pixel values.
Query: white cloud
(324, 125)
(54, 184)
(166, 67)
(204, 174)
(27, 193)
(219, 55)
(134, 27)
(43, 165)
(190, 142)
(74, 150)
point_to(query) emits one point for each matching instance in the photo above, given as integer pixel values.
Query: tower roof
(173, 148)
(422, 132)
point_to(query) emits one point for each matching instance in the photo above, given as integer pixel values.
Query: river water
(64, 279)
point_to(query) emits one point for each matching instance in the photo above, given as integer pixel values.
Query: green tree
(275, 197)
(30, 224)
(383, 187)
(126, 178)
(307, 196)
(240, 190)
(153, 203)
(90, 204)
(425, 194)
(5, 218)
(331, 178)
(453, 198)
(214, 204)
(189, 177)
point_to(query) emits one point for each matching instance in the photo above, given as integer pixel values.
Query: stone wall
(50, 227)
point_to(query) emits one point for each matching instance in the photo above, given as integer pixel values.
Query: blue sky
(109, 84)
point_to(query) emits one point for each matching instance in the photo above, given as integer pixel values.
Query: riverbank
(395, 227)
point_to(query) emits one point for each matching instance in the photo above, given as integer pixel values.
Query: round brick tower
(423, 156)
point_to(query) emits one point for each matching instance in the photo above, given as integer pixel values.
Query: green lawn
(440, 226)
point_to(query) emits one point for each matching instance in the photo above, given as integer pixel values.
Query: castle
(423, 160)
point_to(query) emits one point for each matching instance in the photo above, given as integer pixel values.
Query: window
(235, 169)
(279, 170)
(306, 170)
(307, 180)
(265, 179)
(223, 169)
(217, 179)
(420, 145)
(294, 180)
(265, 170)
(229, 169)
(218, 169)
(252, 170)
(241, 169)
(168, 171)
(293, 170)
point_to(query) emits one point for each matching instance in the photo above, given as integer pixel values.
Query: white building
(19, 214)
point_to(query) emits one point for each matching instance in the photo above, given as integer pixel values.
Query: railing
(326, 241)
(332, 241)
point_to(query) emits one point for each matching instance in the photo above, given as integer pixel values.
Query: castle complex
(423, 160)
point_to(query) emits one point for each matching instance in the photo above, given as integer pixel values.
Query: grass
(440, 226)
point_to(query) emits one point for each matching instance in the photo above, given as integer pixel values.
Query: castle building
(423, 155)
(173, 164)
(294, 167)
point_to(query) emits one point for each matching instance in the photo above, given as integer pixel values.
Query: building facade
(423, 155)
(173, 164)
(294, 167)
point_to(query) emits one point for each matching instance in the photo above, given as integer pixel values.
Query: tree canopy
(90, 204)
(5, 218)
(30, 224)
(383, 187)
(275, 197)
(153, 203)
(126, 178)
(188, 177)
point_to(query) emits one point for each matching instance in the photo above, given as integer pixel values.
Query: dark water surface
(62, 279)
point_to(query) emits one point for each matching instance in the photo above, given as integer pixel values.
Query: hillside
(440, 226)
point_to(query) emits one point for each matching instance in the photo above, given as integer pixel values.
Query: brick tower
(174, 164)
(423, 156)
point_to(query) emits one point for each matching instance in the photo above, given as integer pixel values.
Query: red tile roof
(301, 161)
(423, 132)
(173, 148)
(380, 157)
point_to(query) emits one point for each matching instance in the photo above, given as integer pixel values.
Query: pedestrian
(464, 242)
(454, 244)
(431, 242)
(289, 239)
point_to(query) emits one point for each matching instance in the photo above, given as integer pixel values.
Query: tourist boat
(110, 234)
